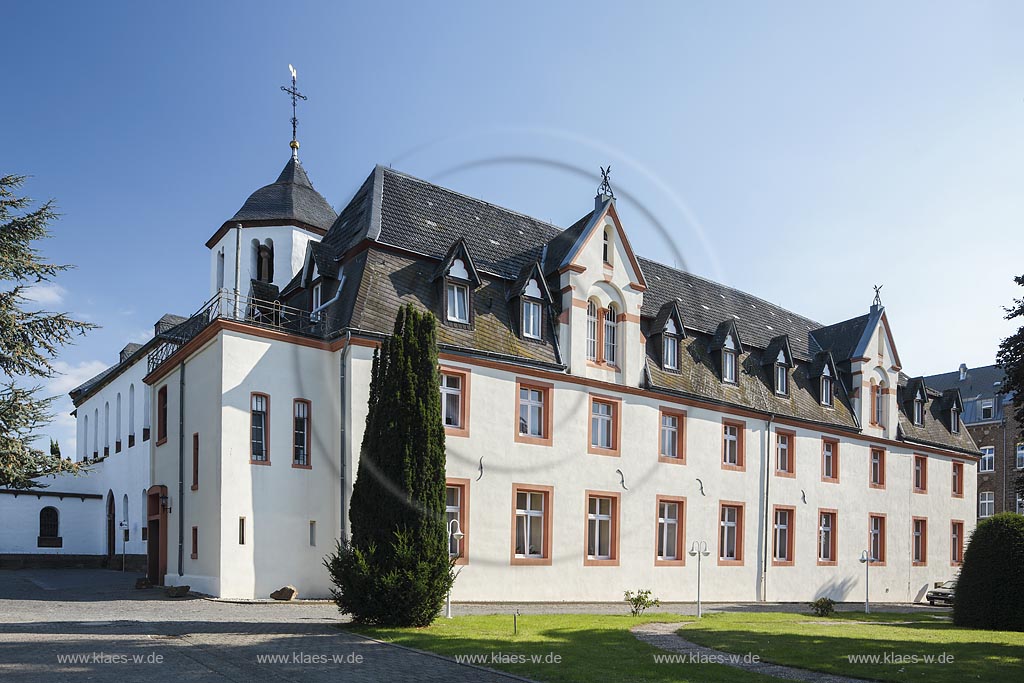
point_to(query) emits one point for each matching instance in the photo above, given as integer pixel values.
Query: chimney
(963, 371)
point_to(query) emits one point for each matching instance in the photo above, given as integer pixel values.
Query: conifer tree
(396, 570)
(29, 340)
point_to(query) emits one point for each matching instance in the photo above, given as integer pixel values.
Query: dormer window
(918, 411)
(729, 361)
(317, 302)
(607, 246)
(954, 420)
(670, 343)
(826, 387)
(781, 377)
(458, 302)
(531, 319)
(610, 328)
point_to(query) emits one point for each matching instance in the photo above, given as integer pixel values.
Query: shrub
(823, 607)
(990, 590)
(640, 601)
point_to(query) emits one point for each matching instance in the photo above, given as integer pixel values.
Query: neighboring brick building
(989, 418)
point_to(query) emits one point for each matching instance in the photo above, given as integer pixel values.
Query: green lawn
(823, 644)
(591, 648)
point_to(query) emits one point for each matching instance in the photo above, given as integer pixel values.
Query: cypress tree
(395, 570)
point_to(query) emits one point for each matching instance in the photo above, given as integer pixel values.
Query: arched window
(729, 351)
(879, 392)
(117, 424)
(131, 410)
(85, 437)
(49, 528)
(610, 328)
(220, 269)
(124, 512)
(826, 386)
(607, 245)
(96, 431)
(106, 428)
(146, 408)
(591, 330)
(670, 346)
(265, 262)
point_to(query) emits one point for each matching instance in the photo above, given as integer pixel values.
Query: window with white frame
(458, 302)
(783, 461)
(987, 409)
(591, 331)
(826, 537)
(258, 423)
(920, 541)
(530, 524)
(879, 405)
(954, 420)
(729, 361)
(599, 528)
(451, 400)
(826, 387)
(606, 247)
(453, 510)
(729, 533)
(531, 412)
(610, 329)
(876, 532)
(986, 504)
(781, 376)
(731, 444)
(988, 459)
(782, 542)
(918, 412)
(670, 344)
(668, 530)
(956, 542)
(877, 467)
(602, 422)
(828, 460)
(531, 318)
(669, 436)
(318, 293)
(1020, 456)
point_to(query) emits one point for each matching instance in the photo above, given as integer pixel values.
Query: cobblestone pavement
(119, 633)
(664, 637)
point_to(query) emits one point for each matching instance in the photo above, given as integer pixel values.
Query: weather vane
(878, 296)
(606, 186)
(296, 95)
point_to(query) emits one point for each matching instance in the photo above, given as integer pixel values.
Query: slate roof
(979, 383)
(935, 430)
(841, 338)
(290, 198)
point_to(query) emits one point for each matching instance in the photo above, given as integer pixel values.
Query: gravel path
(664, 637)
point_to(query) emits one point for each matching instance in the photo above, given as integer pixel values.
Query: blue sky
(801, 151)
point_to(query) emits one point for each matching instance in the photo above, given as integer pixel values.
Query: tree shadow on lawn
(830, 648)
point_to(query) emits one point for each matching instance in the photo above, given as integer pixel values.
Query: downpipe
(766, 542)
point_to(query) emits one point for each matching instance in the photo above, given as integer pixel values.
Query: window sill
(729, 563)
(958, 495)
(195, 487)
(195, 556)
(734, 468)
(877, 486)
(922, 491)
(659, 562)
(672, 460)
(782, 563)
(830, 480)
(877, 564)
(785, 474)
(456, 431)
(592, 562)
(259, 462)
(827, 563)
(532, 440)
(531, 561)
(301, 467)
(161, 442)
(919, 564)
(609, 452)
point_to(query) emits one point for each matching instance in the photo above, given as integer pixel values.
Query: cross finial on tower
(605, 190)
(296, 95)
(878, 296)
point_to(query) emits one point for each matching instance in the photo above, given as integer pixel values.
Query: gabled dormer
(916, 400)
(953, 407)
(667, 333)
(529, 301)
(778, 356)
(457, 279)
(725, 348)
(823, 370)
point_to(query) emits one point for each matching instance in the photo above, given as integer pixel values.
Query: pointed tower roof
(290, 200)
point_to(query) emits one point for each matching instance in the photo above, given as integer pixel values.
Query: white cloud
(46, 293)
(70, 376)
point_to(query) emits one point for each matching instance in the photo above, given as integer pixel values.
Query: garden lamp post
(454, 533)
(699, 549)
(866, 559)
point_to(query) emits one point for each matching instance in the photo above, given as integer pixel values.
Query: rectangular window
(533, 412)
(672, 435)
(954, 421)
(987, 409)
(732, 445)
(610, 330)
(785, 454)
(455, 401)
(830, 461)
(918, 412)
(195, 461)
(826, 391)
(312, 533)
(458, 303)
(302, 433)
(671, 547)
(195, 543)
(958, 479)
(988, 459)
(531, 540)
(827, 531)
(920, 474)
(671, 352)
(956, 542)
(728, 366)
(241, 531)
(781, 380)
(1020, 456)
(457, 519)
(531, 319)
(879, 401)
(602, 528)
(604, 426)
(260, 407)
(783, 534)
(877, 468)
(314, 315)
(730, 535)
(920, 541)
(986, 504)
(876, 538)
(592, 331)
(161, 415)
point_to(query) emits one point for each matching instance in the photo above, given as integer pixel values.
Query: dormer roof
(822, 360)
(778, 350)
(726, 329)
(458, 251)
(531, 272)
(669, 311)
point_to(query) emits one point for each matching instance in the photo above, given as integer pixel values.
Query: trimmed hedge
(990, 591)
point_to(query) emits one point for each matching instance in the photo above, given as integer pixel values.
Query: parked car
(943, 593)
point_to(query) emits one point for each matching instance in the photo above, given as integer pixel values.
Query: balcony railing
(225, 305)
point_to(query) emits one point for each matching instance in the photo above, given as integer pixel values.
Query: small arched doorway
(111, 526)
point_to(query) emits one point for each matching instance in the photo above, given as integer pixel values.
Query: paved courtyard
(78, 625)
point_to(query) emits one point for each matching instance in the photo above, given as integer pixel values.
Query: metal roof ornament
(296, 95)
(605, 190)
(878, 295)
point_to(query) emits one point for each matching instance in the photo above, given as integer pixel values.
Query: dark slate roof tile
(290, 198)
